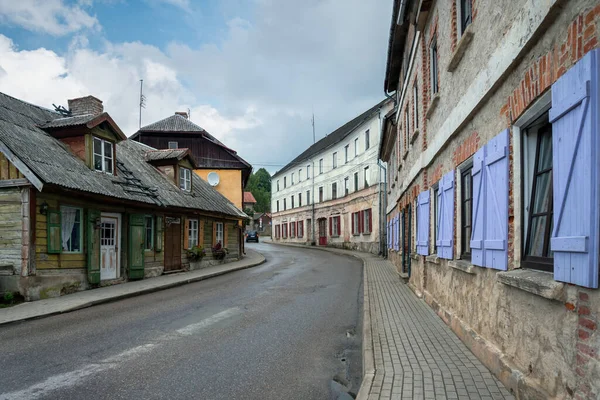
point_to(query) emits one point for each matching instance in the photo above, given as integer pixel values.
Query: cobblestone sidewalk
(416, 355)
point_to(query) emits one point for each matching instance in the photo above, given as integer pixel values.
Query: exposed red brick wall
(466, 149)
(424, 93)
(76, 145)
(436, 175)
(581, 38)
(586, 352)
(453, 28)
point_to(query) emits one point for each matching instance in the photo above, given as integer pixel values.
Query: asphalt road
(283, 330)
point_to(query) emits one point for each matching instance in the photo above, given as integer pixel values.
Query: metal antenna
(142, 100)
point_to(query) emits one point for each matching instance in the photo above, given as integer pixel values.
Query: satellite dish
(213, 178)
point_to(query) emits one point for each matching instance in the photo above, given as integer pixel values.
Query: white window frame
(192, 233)
(459, 29)
(219, 233)
(365, 177)
(300, 175)
(367, 139)
(416, 104)
(355, 147)
(185, 179)
(292, 179)
(334, 159)
(433, 72)
(308, 171)
(334, 186)
(366, 213)
(321, 166)
(542, 105)
(173, 145)
(103, 156)
(81, 227)
(356, 219)
(346, 151)
(336, 223)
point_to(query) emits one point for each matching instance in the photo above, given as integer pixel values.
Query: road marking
(73, 378)
(198, 326)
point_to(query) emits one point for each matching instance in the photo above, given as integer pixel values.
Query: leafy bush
(196, 253)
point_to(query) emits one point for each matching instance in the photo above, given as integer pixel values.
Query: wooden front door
(172, 243)
(323, 232)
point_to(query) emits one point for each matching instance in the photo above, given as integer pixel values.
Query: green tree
(259, 184)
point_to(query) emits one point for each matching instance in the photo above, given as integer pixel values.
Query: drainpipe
(382, 209)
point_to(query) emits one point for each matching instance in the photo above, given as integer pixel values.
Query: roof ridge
(30, 104)
(358, 120)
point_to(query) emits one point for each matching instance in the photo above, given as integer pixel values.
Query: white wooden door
(108, 248)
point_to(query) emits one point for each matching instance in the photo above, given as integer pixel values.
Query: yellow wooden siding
(8, 170)
(11, 226)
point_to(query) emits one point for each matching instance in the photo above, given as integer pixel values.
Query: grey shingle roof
(174, 123)
(136, 180)
(334, 137)
(169, 154)
(69, 121)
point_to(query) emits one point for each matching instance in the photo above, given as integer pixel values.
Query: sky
(251, 72)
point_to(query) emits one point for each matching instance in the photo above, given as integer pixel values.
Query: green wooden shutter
(158, 240)
(54, 232)
(93, 247)
(136, 246)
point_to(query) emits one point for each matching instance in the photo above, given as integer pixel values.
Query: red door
(323, 232)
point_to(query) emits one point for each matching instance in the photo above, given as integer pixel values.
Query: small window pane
(543, 193)
(537, 236)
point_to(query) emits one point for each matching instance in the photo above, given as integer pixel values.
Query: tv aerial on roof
(213, 178)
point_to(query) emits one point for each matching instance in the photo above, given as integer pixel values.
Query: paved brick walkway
(417, 356)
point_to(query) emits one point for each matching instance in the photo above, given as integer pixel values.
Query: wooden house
(212, 156)
(83, 206)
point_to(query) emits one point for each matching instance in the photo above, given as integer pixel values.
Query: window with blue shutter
(489, 238)
(576, 172)
(445, 222)
(423, 223)
(396, 234)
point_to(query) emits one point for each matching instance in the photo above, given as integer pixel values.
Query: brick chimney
(86, 105)
(184, 114)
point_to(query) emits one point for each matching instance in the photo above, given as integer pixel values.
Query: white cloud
(53, 17)
(42, 77)
(254, 86)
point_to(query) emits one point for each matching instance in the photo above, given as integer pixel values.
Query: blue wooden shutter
(576, 172)
(398, 236)
(423, 223)
(445, 241)
(479, 212)
(495, 240)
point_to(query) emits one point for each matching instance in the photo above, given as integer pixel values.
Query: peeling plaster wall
(540, 348)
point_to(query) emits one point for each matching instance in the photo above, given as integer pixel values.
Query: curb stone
(140, 292)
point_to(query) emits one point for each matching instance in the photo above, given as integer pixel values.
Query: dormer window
(103, 155)
(185, 179)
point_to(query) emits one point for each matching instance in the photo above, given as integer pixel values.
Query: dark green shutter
(158, 240)
(93, 246)
(54, 232)
(136, 246)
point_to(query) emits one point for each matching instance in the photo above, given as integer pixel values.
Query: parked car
(252, 236)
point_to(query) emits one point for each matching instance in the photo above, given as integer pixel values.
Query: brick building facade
(493, 156)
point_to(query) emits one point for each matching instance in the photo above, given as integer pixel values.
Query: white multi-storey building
(338, 183)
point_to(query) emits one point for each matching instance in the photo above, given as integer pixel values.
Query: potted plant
(195, 254)
(219, 252)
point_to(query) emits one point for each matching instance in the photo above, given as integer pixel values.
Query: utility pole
(313, 185)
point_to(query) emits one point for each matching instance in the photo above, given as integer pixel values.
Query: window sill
(405, 155)
(537, 282)
(434, 259)
(335, 236)
(461, 48)
(462, 265)
(356, 234)
(414, 136)
(366, 233)
(433, 105)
